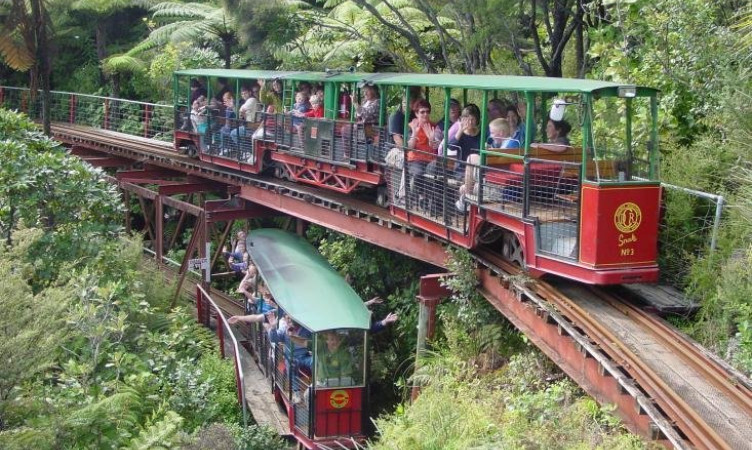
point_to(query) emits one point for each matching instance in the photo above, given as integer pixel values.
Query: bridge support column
(158, 229)
(430, 294)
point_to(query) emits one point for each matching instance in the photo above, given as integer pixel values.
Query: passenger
(467, 136)
(198, 114)
(306, 88)
(496, 109)
(248, 283)
(223, 88)
(229, 102)
(500, 138)
(316, 111)
(247, 113)
(557, 132)
(380, 325)
(239, 266)
(296, 339)
(299, 109)
(455, 109)
(368, 111)
(333, 361)
(423, 149)
(518, 128)
(265, 318)
(197, 90)
(367, 115)
(397, 119)
(238, 246)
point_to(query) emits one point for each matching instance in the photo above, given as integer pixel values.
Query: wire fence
(689, 230)
(148, 120)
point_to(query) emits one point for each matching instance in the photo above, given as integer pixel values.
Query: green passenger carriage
(325, 401)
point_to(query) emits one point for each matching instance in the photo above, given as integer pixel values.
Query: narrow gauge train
(319, 374)
(587, 211)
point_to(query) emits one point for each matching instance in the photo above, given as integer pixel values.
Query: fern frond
(122, 64)
(167, 10)
(15, 53)
(158, 434)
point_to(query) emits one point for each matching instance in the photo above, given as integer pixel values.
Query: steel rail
(687, 420)
(577, 328)
(680, 344)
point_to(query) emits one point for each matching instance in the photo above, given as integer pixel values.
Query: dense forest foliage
(697, 52)
(93, 355)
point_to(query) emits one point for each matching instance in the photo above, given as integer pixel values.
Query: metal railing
(205, 305)
(148, 120)
(426, 185)
(332, 141)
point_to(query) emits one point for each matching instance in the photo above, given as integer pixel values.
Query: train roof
(458, 81)
(304, 284)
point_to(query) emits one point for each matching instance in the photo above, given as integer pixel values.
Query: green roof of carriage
(304, 284)
(482, 82)
(342, 76)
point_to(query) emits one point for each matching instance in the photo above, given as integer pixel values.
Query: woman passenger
(467, 136)
(423, 146)
(518, 130)
(557, 132)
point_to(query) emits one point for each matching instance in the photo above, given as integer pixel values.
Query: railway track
(693, 400)
(228, 304)
(713, 412)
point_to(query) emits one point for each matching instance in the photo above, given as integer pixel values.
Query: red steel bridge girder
(415, 246)
(567, 353)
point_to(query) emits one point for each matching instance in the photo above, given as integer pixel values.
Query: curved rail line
(674, 419)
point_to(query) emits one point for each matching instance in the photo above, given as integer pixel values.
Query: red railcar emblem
(339, 399)
(627, 217)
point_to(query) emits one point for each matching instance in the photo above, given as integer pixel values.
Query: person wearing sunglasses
(423, 147)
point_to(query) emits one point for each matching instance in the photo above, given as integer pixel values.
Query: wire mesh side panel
(302, 396)
(281, 372)
(554, 202)
(396, 176)
(380, 145)
(137, 119)
(498, 189)
(426, 185)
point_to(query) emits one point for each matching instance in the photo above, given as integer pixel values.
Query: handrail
(91, 96)
(236, 350)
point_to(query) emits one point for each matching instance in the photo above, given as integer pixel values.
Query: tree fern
(122, 64)
(159, 434)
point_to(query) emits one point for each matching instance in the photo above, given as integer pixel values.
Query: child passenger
(500, 138)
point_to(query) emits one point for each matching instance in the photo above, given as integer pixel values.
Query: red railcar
(586, 210)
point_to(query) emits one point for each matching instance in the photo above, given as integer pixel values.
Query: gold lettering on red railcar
(627, 217)
(624, 240)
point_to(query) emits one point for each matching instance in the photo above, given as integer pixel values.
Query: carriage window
(622, 146)
(340, 358)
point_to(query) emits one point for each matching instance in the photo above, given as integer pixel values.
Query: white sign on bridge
(198, 264)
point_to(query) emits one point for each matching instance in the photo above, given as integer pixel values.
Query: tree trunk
(100, 36)
(42, 70)
(115, 78)
(580, 39)
(227, 43)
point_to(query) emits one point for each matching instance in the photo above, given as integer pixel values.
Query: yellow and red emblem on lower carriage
(339, 399)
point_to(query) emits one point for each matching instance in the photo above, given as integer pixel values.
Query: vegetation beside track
(93, 356)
